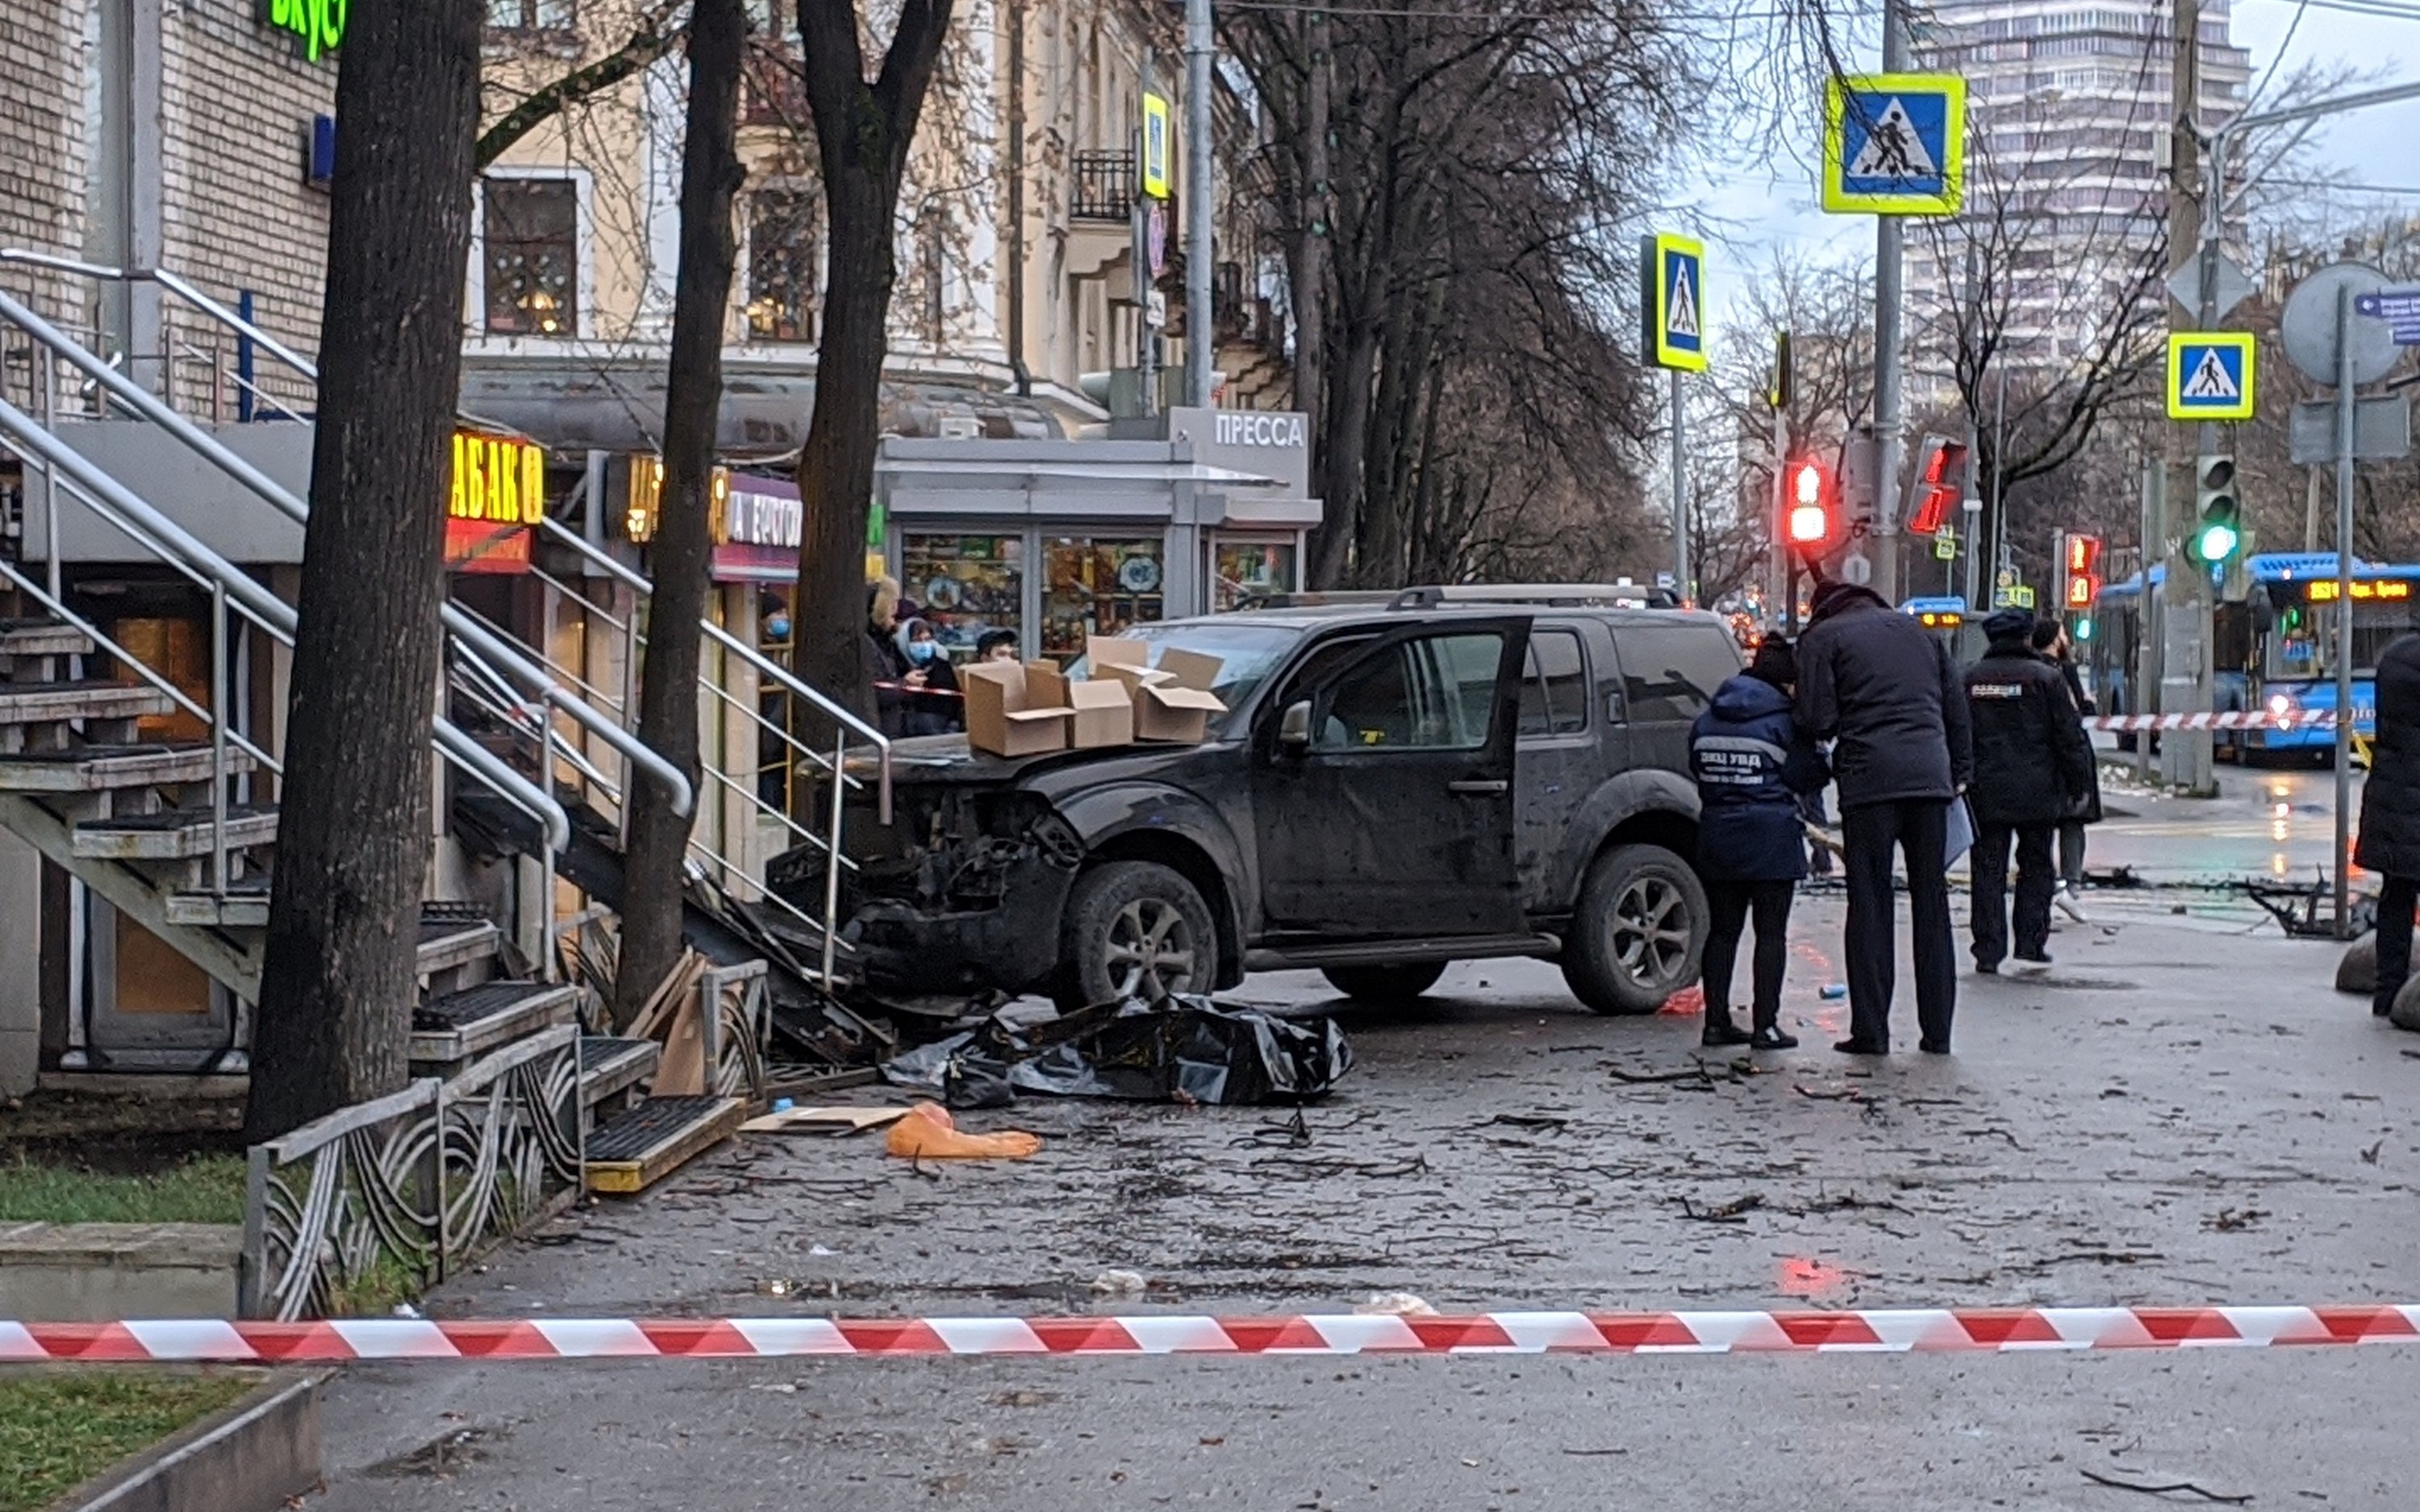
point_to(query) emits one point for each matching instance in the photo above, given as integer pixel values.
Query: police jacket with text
(2390, 800)
(2031, 757)
(1750, 765)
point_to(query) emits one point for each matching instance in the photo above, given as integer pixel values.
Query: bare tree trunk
(353, 836)
(1310, 244)
(862, 131)
(684, 546)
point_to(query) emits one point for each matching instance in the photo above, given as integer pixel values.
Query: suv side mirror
(1294, 727)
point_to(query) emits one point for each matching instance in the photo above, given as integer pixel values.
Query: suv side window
(1554, 684)
(1670, 672)
(1434, 694)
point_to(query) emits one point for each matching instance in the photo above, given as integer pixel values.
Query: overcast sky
(1757, 211)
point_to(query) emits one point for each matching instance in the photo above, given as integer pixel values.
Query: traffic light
(1940, 482)
(2221, 529)
(2081, 572)
(1812, 497)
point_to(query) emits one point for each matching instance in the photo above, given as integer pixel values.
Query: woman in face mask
(936, 707)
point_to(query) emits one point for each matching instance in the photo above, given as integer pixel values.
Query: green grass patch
(60, 1428)
(208, 1189)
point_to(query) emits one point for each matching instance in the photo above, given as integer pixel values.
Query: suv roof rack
(1618, 595)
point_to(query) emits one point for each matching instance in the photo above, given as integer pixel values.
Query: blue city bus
(2275, 648)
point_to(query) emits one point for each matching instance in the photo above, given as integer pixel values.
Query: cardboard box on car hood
(1173, 702)
(1004, 718)
(1104, 714)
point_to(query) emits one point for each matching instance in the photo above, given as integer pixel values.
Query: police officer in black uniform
(2031, 761)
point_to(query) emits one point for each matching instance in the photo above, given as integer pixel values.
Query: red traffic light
(2082, 571)
(1940, 475)
(1810, 503)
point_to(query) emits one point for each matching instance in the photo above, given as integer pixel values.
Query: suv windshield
(1247, 654)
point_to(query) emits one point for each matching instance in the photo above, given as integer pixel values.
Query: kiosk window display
(966, 585)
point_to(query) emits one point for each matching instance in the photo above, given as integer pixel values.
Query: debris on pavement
(1186, 1050)
(928, 1132)
(1119, 1284)
(1735, 1210)
(823, 1121)
(2166, 1489)
(1394, 1304)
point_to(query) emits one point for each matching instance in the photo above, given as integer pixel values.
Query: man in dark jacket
(2390, 813)
(2031, 762)
(1883, 687)
(1752, 766)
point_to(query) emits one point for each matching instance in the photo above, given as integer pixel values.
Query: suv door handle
(1479, 787)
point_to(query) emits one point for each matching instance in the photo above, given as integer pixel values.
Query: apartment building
(2067, 103)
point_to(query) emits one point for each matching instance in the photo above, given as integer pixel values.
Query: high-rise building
(2066, 205)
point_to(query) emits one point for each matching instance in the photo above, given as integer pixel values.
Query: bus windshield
(2303, 640)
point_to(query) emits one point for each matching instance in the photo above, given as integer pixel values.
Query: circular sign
(1857, 570)
(2308, 326)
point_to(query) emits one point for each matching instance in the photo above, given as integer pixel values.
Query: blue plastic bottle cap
(1834, 989)
(782, 1104)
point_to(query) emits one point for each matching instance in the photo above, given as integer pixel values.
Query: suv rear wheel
(1135, 929)
(1385, 984)
(1640, 929)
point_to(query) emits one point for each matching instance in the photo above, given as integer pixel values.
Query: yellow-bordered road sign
(1673, 269)
(2211, 374)
(1155, 147)
(1895, 144)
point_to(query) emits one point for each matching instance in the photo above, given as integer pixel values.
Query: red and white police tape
(2231, 719)
(1870, 1331)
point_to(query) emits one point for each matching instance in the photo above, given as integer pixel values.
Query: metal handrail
(170, 541)
(269, 492)
(765, 666)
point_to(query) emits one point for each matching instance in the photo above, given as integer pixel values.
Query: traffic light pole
(2185, 596)
(1888, 271)
(1680, 496)
(2346, 410)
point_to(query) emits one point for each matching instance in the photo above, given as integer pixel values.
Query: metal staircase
(179, 834)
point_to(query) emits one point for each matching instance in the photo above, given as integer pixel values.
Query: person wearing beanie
(1885, 691)
(2032, 763)
(1751, 766)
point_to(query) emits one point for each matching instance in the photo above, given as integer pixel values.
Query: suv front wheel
(1640, 932)
(1135, 929)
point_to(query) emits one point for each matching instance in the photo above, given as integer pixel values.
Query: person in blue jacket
(1752, 768)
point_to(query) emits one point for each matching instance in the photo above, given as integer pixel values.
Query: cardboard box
(1003, 715)
(1104, 710)
(1173, 702)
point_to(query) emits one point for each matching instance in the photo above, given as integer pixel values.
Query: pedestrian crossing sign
(1675, 302)
(2211, 374)
(1894, 144)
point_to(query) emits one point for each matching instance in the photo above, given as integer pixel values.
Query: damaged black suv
(1394, 787)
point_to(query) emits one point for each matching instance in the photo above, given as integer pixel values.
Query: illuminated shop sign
(318, 25)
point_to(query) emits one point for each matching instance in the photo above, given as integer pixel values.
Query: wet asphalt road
(2182, 1112)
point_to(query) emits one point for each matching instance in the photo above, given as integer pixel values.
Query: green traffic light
(2218, 541)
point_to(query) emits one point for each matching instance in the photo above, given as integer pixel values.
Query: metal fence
(377, 1203)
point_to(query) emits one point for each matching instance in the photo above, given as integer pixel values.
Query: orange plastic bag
(928, 1132)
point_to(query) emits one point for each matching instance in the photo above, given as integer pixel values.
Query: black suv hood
(947, 761)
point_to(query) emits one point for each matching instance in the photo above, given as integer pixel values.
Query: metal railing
(831, 766)
(497, 663)
(148, 407)
(1104, 186)
(78, 479)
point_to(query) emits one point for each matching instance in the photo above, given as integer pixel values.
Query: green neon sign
(318, 25)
